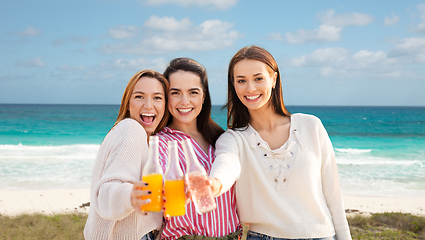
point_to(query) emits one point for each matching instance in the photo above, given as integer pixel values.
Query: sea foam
(46, 167)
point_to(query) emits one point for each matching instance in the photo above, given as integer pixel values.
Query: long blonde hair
(125, 102)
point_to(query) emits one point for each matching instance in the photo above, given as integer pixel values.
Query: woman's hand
(136, 196)
(215, 186)
(187, 190)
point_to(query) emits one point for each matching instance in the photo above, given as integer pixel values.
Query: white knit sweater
(291, 192)
(118, 164)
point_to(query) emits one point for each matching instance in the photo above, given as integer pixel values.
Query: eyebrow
(253, 75)
(144, 92)
(191, 89)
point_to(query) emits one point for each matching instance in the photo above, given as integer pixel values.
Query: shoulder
(236, 135)
(127, 127)
(301, 119)
(304, 117)
(168, 133)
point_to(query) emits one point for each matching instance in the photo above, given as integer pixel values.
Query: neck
(190, 129)
(265, 118)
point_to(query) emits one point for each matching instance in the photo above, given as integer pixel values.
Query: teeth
(185, 110)
(253, 97)
(148, 114)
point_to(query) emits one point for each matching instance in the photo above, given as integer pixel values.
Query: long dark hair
(205, 125)
(237, 113)
(124, 111)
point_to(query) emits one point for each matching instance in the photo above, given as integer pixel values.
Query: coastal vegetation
(71, 225)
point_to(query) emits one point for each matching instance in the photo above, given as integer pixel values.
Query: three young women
(189, 104)
(120, 159)
(281, 164)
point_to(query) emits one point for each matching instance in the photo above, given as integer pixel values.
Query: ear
(274, 77)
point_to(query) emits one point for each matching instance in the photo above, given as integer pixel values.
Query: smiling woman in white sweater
(282, 164)
(120, 160)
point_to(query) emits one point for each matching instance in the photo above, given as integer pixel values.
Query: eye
(194, 93)
(174, 93)
(157, 98)
(258, 78)
(240, 81)
(138, 97)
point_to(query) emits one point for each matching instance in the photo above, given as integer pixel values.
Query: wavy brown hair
(237, 113)
(209, 129)
(125, 102)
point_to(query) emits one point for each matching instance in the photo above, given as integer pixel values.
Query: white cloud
(158, 64)
(29, 32)
(346, 19)
(178, 36)
(421, 27)
(123, 32)
(389, 21)
(410, 46)
(218, 4)
(339, 62)
(325, 33)
(328, 31)
(368, 60)
(329, 71)
(36, 62)
(167, 23)
(67, 68)
(321, 57)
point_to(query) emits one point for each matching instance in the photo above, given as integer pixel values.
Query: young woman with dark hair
(190, 106)
(282, 164)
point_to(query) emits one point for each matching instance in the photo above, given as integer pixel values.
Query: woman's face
(147, 103)
(253, 83)
(185, 97)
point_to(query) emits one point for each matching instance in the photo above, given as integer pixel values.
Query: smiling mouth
(147, 118)
(184, 110)
(251, 98)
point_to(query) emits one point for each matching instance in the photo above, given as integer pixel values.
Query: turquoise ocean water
(379, 150)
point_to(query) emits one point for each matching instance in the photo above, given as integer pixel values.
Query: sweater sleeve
(123, 166)
(227, 166)
(331, 187)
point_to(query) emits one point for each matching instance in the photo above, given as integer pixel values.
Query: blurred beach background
(379, 150)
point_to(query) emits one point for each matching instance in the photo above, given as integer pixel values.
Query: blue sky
(329, 52)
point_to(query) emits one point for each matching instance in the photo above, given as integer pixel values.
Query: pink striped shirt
(220, 222)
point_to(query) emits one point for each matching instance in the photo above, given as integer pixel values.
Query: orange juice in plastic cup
(175, 196)
(155, 186)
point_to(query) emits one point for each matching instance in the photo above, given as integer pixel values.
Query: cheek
(238, 91)
(132, 108)
(161, 109)
(171, 103)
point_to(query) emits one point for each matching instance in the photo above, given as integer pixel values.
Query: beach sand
(44, 201)
(67, 201)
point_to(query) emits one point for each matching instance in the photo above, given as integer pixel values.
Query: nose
(148, 103)
(250, 86)
(185, 99)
